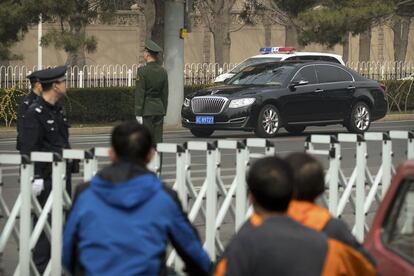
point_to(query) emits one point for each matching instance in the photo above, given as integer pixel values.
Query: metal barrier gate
(212, 201)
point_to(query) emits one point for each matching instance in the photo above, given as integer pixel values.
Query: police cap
(152, 46)
(33, 77)
(52, 74)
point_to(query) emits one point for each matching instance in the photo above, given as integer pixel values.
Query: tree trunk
(221, 36)
(268, 32)
(78, 57)
(291, 37)
(345, 49)
(401, 28)
(365, 46)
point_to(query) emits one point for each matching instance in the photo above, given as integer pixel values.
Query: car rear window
(398, 228)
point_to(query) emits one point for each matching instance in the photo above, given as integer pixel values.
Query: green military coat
(151, 93)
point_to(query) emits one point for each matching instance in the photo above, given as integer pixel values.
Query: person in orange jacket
(272, 243)
(309, 184)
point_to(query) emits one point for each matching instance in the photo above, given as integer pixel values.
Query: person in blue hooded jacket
(121, 222)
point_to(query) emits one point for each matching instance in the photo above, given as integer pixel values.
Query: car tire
(268, 122)
(202, 133)
(359, 119)
(295, 130)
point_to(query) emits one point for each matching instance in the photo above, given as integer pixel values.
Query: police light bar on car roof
(274, 50)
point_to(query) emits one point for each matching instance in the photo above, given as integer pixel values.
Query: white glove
(37, 186)
(139, 119)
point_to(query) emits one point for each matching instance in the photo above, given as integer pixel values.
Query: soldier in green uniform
(151, 94)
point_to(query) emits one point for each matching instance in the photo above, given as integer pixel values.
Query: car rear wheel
(198, 132)
(359, 119)
(268, 122)
(295, 129)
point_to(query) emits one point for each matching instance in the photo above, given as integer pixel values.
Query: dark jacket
(44, 128)
(24, 105)
(281, 246)
(121, 225)
(318, 218)
(151, 94)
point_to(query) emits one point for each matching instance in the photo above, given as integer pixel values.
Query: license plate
(205, 120)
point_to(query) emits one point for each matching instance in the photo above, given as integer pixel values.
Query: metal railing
(90, 76)
(212, 199)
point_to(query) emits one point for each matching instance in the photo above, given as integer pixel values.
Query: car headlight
(241, 102)
(186, 102)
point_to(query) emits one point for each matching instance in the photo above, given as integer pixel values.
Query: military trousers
(155, 124)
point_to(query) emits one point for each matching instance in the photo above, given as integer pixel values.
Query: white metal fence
(194, 73)
(210, 202)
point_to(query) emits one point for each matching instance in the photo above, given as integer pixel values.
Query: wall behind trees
(122, 43)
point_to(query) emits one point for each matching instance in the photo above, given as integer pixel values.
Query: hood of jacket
(125, 185)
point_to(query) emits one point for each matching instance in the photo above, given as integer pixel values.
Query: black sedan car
(264, 97)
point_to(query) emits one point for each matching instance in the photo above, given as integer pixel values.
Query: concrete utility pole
(174, 59)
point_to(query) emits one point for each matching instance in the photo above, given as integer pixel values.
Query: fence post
(211, 201)
(410, 145)
(180, 173)
(386, 163)
(26, 178)
(241, 192)
(334, 166)
(58, 182)
(361, 163)
(129, 74)
(80, 84)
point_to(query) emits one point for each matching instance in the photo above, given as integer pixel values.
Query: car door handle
(319, 90)
(351, 87)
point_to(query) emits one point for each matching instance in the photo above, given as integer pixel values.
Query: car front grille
(208, 105)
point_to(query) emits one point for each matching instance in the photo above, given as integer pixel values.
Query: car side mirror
(293, 84)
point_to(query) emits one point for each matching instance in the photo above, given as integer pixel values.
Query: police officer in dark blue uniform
(45, 128)
(35, 91)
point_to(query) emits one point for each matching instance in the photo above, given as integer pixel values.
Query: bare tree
(217, 16)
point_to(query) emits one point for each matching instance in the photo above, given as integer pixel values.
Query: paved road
(284, 144)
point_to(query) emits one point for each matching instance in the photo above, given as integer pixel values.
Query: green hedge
(95, 105)
(104, 105)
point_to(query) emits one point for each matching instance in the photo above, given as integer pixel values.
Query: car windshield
(263, 74)
(252, 61)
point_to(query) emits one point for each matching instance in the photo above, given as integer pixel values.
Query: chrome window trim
(316, 73)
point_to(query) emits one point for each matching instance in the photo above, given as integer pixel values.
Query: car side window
(306, 73)
(328, 73)
(398, 234)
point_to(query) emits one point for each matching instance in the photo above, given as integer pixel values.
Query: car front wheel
(268, 122)
(197, 132)
(359, 119)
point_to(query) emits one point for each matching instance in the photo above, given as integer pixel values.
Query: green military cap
(152, 46)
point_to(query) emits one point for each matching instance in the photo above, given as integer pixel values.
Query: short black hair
(269, 180)
(308, 174)
(47, 86)
(131, 141)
